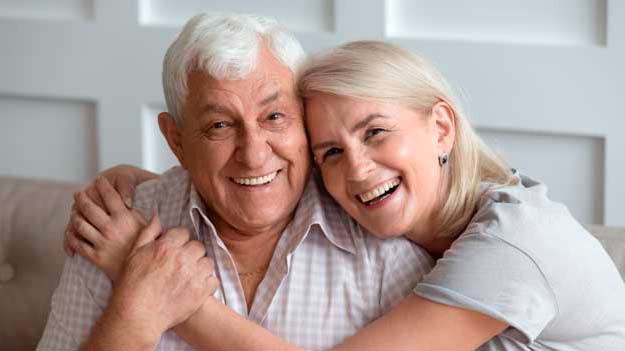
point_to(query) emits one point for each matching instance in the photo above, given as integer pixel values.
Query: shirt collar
(315, 208)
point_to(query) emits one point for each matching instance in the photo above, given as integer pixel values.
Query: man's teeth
(257, 180)
(370, 195)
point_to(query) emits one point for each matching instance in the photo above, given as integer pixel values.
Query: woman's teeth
(256, 180)
(379, 191)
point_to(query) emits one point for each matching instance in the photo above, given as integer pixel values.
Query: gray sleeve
(486, 274)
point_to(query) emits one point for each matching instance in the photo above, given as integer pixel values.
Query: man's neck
(252, 252)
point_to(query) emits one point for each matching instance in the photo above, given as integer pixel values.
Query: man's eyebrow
(274, 96)
(215, 108)
(355, 128)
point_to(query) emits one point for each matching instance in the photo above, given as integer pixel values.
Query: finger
(177, 236)
(194, 249)
(206, 267)
(112, 199)
(212, 285)
(149, 233)
(68, 249)
(126, 189)
(83, 248)
(84, 230)
(139, 217)
(91, 211)
(92, 193)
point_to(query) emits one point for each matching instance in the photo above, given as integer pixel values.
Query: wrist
(114, 333)
(136, 326)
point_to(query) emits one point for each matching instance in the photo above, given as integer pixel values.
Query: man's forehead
(253, 88)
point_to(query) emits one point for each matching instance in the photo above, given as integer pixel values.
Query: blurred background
(542, 80)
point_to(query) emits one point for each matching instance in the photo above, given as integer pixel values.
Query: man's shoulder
(171, 186)
(397, 248)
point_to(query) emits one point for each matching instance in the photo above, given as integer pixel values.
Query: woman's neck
(429, 236)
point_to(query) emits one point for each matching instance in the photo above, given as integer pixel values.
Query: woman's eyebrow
(322, 145)
(363, 123)
(360, 125)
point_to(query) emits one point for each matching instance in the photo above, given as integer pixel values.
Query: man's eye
(275, 116)
(332, 152)
(373, 132)
(219, 125)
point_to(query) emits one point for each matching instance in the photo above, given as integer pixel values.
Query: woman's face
(380, 161)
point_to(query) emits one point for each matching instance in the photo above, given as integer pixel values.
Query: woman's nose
(360, 165)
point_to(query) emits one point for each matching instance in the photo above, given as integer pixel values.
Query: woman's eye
(331, 152)
(373, 132)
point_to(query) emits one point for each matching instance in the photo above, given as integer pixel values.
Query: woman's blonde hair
(386, 73)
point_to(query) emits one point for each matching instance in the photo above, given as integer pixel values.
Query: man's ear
(172, 134)
(444, 126)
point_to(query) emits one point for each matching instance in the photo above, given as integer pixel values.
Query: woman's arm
(414, 324)
(420, 324)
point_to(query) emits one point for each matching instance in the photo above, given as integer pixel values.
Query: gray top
(525, 260)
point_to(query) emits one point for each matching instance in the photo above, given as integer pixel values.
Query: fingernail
(128, 202)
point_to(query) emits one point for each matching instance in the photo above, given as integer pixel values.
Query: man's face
(244, 146)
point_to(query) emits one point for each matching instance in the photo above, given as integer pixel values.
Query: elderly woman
(515, 271)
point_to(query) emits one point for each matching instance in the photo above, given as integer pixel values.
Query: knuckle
(161, 248)
(197, 245)
(108, 228)
(79, 225)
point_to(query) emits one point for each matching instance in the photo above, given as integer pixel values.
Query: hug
(340, 201)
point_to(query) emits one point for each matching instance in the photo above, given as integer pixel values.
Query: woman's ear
(444, 126)
(172, 134)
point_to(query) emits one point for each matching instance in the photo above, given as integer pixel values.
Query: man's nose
(359, 165)
(253, 148)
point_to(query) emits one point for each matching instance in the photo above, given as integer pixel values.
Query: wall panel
(554, 22)
(47, 9)
(297, 15)
(570, 165)
(48, 138)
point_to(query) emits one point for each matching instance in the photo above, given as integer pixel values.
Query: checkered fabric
(327, 277)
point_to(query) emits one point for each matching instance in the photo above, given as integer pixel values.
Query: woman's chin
(383, 230)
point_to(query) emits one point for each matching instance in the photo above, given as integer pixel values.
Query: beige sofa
(32, 219)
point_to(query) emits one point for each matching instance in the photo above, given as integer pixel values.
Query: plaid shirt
(327, 277)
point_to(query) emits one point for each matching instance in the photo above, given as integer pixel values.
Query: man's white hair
(226, 47)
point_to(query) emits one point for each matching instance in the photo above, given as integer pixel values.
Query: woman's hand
(103, 235)
(124, 179)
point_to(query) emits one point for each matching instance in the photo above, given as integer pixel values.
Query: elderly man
(286, 256)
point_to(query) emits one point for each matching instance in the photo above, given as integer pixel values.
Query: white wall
(542, 79)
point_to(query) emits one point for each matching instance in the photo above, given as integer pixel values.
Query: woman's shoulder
(520, 211)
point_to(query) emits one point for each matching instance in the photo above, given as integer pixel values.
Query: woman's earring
(442, 159)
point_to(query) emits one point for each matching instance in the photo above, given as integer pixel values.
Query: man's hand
(124, 180)
(164, 281)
